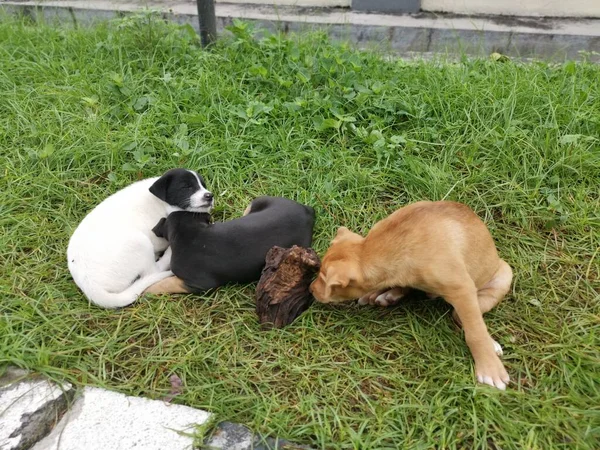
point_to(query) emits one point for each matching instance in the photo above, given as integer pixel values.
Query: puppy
(441, 248)
(112, 255)
(206, 256)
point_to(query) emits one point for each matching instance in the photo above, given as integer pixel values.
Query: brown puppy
(441, 248)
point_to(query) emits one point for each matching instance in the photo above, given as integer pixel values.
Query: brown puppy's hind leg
(488, 367)
(170, 285)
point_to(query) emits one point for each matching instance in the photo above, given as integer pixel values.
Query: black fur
(176, 187)
(206, 256)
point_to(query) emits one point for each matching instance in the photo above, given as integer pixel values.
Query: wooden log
(282, 291)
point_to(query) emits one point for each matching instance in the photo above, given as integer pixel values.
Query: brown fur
(441, 248)
(170, 285)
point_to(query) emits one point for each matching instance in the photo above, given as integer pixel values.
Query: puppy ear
(203, 217)
(341, 232)
(160, 228)
(349, 274)
(340, 281)
(160, 186)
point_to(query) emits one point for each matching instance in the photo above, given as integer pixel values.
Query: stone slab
(11, 375)
(29, 408)
(481, 43)
(106, 420)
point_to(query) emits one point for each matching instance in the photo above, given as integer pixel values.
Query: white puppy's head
(183, 190)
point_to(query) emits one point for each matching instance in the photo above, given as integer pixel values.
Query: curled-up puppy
(441, 248)
(206, 256)
(113, 255)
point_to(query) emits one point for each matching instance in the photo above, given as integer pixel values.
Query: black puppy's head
(160, 229)
(178, 221)
(183, 190)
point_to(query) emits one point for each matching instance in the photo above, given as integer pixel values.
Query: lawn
(84, 112)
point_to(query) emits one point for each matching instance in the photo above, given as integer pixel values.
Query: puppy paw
(369, 299)
(492, 373)
(383, 298)
(366, 299)
(164, 263)
(389, 298)
(498, 349)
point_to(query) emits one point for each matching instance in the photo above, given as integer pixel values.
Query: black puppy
(207, 256)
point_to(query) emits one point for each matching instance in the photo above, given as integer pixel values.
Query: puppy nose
(208, 196)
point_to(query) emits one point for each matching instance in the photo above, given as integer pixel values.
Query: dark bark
(282, 292)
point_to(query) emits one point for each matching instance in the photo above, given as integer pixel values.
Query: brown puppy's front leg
(494, 290)
(491, 294)
(170, 285)
(383, 297)
(488, 367)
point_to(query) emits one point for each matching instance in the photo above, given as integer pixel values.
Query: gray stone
(375, 36)
(11, 375)
(232, 436)
(29, 408)
(410, 39)
(480, 43)
(553, 47)
(105, 420)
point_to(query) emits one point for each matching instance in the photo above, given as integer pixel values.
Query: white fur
(114, 245)
(197, 200)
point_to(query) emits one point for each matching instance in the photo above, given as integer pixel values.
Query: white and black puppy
(113, 253)
(206, 256)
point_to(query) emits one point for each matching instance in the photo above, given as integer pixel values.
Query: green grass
(84, 112)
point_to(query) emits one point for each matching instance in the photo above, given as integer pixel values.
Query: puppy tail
(110, 300)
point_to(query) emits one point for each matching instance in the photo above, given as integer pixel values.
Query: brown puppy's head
(340, 278)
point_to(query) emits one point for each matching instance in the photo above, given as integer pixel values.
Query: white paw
(498, 349)
(364, 300)
(383, 298)
(492, 373)
(499, 384)
(387, 299)
(164, 263)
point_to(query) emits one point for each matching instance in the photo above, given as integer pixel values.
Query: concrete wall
(538, 8)
(550, 8)
(323, 3)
